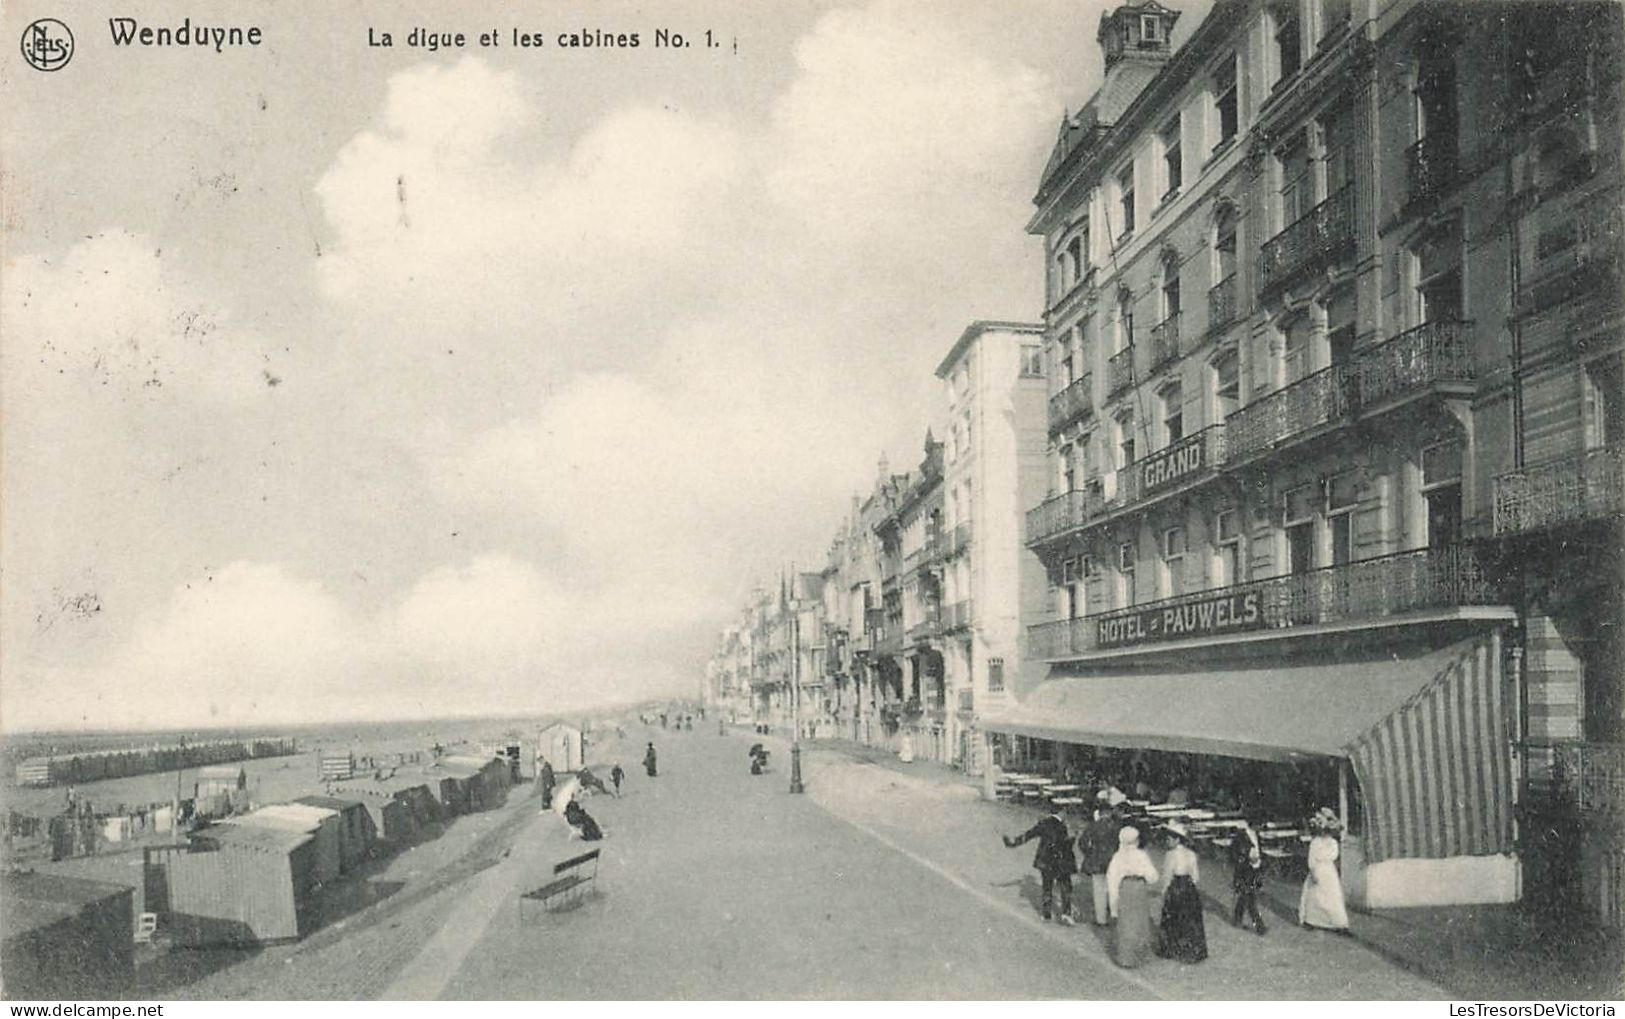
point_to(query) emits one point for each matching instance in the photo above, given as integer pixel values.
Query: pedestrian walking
(1247, 876)
(1128, 882)
(649, 760)
(1182, 933)
(1321, 902)
(1097, 844)
(548, 782)
(1053, 861)
(616, 775)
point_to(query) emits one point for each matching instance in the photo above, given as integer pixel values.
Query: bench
(571, 880)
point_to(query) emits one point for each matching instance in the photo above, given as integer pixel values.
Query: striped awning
(1437, 772)
(1426, 733)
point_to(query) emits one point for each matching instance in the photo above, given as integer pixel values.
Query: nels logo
(47, 45)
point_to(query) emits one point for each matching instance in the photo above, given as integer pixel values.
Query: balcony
(1359, 592)
(1120, 371)
(1221, 303)
(1318, 236)
(1575, 489)
(1320, 399)
(889, 640)
(1065, 512)
(1073, 403)
(1430, 168)
(1192, 458)
(1165, 342)
(956, 616)
(928, 626)
(1433, 355)
(1577, 252)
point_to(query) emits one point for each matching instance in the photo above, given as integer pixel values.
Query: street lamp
(795, 695)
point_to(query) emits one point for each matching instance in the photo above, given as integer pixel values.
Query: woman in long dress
(1128, 878)
(1183, 934)
(1321, 903)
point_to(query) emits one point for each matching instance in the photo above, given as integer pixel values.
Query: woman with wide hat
(1184, 936)
(1321, 903)
(1128, 882)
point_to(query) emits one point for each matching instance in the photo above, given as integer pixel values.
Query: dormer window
(1150, 29)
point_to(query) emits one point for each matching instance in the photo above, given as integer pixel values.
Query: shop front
(1409, 742)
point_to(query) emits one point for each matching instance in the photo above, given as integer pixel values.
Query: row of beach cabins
(265, 876)
(96, 765)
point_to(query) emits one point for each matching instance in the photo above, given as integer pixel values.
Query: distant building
(561, 746)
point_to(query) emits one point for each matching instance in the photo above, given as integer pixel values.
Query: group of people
(1123, 880)
(562, 797)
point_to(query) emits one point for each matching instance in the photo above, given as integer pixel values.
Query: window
(1173, 561)
(1224, 245)
(1170, 290)
(1073, 588)
(1441, 489)
(967, 432)
(1295, 350)
(1067, 371)
(1172, 164)
(1288, 39)
(1125, 574)
(1298, 521)
(1069, 477)
(1436, 261)
(1125, 441)
(1125, 199)
(1340, 325)
(1032, 361)
(1125, 320)
(1173, 414)
(1337, 127)
(1601, 404)
(1226, 385)
(1297, 182)
(1086, 344)
(1228, 568)
(1435, 91)
(1074, 256)
(1150, 28)
(995, 675)
(1342, 495)
(1226, 99)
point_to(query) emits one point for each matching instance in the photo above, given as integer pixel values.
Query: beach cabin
(236, 884)
(357, 831)
(562, 746)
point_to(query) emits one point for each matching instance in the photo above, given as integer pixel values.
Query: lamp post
(795, 696)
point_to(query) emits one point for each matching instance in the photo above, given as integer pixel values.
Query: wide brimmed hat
(1326, 819)
(1128, 836)
(1104, 794)
(1177, 830)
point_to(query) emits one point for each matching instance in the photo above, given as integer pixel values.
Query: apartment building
(1285, 377)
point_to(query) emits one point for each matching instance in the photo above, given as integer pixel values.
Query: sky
(340, 381)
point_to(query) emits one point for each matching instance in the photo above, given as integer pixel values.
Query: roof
(330, 803)
(234, 834)
(287, 816)
(976, 329)
(32, 901)
(1271, 714)
(560, 725)
(467, 761)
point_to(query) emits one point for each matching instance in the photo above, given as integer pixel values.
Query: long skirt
(1131, 938)
(1321, 902)
(1184, 936)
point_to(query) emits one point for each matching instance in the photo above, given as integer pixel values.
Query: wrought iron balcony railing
(1062, 513)
(1319, 235)
(1430, 354)
(927, 626)
(1197, 455)
(1430, 167)
(1392, 585)
(1120, 371)
(1308, 403)
(1588, 486)
(1073, 403)
(956, 616)
(1165, 341)
(1221, 303)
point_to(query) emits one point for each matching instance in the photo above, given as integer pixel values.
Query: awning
(1426, 733)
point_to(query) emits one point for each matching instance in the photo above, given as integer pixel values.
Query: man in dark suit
(1053, 861)
(1247, 875)
(1098, 843)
